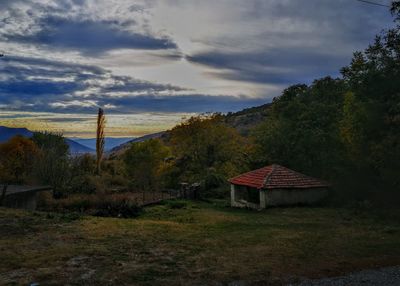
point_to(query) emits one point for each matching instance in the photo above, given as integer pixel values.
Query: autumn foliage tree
(206, 149)
(16, 159)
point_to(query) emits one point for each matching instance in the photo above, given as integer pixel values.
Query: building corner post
(233, 195)
(263, 199)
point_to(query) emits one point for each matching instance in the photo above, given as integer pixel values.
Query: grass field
(185, 243)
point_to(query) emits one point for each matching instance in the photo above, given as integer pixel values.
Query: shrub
(117, 205)
(84, 184)
(176, 204)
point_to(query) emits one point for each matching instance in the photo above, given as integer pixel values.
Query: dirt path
(389, 276)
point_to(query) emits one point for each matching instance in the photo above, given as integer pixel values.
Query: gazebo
(275, 185)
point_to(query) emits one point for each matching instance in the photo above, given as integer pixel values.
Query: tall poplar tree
(101, 122)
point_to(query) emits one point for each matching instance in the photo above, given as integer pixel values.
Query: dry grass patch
(187, 243)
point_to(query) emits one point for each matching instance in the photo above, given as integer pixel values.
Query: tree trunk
(3, 194)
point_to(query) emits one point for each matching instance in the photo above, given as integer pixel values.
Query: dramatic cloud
(44, 85)
(80, 26)
(286, 42)
(150, 62)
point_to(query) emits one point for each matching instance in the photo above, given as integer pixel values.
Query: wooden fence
(187, 192)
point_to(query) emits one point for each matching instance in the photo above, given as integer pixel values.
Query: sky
(152, 63)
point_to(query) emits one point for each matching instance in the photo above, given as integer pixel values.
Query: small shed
(275, 185)
(24, 197)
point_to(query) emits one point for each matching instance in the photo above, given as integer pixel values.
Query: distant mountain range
(81, 145)
(110, 142)
(243, 121)
(7, 133)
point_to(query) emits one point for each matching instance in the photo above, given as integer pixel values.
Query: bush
(176, 204)
(117, 205)
(118, 208)
(84, 184)
(222, 192)
(214, 180)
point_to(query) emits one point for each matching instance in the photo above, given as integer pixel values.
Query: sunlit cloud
(84, 125)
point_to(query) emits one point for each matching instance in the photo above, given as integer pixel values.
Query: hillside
(248, 118)
(76, 148)
(118, 150)
(243, 121)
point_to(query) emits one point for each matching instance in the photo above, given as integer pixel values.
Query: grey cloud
(274, 66)
(29, 84)
(167, 104)
(73, 25)
(90, 37)
(300, 40)
(38, 82)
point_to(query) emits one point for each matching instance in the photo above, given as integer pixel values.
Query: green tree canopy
(144, 162)
(52, 164)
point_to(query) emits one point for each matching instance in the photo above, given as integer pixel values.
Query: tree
(145, 162)
(301, 130)
(83, 170)
(373, 77)
(346, 130)
(100, 139)
(16, 158)
(52, 166)
(352, 127)
(205, 146)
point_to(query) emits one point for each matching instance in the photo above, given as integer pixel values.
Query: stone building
(275, 185)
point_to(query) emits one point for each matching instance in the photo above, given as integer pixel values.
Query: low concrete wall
(245, 204)
(281, 197)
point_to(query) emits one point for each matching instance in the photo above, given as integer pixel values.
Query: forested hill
(248, 118)
(243, 121)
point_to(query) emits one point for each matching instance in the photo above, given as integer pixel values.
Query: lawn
(185, 243)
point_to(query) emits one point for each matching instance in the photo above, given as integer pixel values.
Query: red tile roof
(276, 177)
